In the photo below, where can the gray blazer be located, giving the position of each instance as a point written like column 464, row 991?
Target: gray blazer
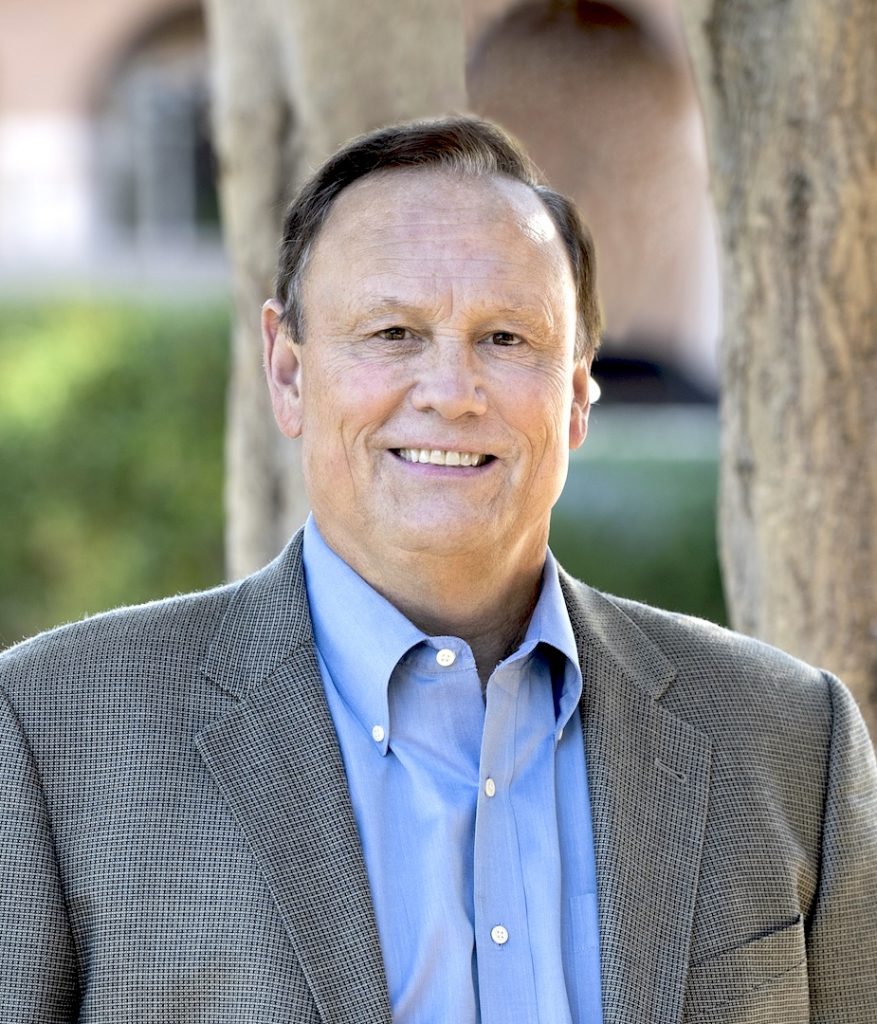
column 177, row 842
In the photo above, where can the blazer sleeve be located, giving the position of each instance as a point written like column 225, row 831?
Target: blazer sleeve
column 842, row 939
column 37, row 958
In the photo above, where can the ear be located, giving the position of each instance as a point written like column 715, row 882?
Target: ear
column 581, row 404
column 282, row 358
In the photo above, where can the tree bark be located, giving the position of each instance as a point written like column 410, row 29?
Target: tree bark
column 293, row 80
column 788, row 93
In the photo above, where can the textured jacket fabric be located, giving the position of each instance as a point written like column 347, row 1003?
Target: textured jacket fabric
column 177, row 842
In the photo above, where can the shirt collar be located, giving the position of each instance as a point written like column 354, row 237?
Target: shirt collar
column 550, row 625
column 361, row 637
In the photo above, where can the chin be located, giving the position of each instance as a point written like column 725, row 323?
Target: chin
column 441, row 536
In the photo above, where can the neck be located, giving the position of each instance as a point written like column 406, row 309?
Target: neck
column 485, row 599
column 491, row 619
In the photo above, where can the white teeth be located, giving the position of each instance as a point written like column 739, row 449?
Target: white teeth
column 439, row 457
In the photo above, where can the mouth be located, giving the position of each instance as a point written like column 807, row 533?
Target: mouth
column 442, row 457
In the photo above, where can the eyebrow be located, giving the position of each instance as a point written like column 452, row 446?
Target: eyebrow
column 382, row 307
column 524, row 316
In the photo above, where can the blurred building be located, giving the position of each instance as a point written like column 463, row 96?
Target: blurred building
column 105, row 160
column 106, row 167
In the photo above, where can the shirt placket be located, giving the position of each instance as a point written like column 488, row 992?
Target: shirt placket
column 506, row 981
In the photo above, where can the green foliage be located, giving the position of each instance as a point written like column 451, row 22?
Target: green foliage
column 110, row 456
column 643, row 528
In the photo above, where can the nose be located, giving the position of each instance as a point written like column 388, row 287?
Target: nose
column 450, row 382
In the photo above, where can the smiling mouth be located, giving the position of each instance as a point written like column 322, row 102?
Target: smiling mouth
column 441, row 457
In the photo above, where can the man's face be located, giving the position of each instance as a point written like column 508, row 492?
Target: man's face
column 435, row 388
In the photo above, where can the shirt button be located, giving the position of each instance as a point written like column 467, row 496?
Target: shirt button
column 378, row 733
column 445, row 657
column 490, row 787
column 499, row 935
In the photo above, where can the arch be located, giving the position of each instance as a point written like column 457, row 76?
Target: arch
column 153, row 156
column 601, row 96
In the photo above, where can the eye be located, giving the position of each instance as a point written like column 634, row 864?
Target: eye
column 503, row 338
column 394, row 334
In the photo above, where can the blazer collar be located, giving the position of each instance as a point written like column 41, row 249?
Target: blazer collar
column 268, row 617
column 604, row 631
column 266, row 620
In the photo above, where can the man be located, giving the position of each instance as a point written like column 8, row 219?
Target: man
column 411, row 770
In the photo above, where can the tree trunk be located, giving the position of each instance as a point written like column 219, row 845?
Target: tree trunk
column 293, row 80
column 788, row 92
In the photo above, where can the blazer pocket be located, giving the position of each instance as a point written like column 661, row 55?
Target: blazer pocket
column 766, row 975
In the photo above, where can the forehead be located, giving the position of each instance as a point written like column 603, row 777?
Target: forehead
column 436, row 214
column 455, row 193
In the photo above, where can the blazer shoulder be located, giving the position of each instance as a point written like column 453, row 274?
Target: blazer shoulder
column 719, row 675
column 171, row 630
column 696, row 645
column 230, row 636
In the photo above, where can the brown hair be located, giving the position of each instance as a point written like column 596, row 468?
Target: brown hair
column 466, row 145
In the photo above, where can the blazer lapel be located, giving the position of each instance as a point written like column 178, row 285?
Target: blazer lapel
column 276, row 760
column 648, row 775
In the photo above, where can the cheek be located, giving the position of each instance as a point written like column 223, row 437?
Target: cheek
column 342, row 405
column 540, row 411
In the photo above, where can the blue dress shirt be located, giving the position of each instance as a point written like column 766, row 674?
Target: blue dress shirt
column 472, row 808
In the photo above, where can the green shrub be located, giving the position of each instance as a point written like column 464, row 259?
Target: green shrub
column 110, row 456
column 643, row 529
